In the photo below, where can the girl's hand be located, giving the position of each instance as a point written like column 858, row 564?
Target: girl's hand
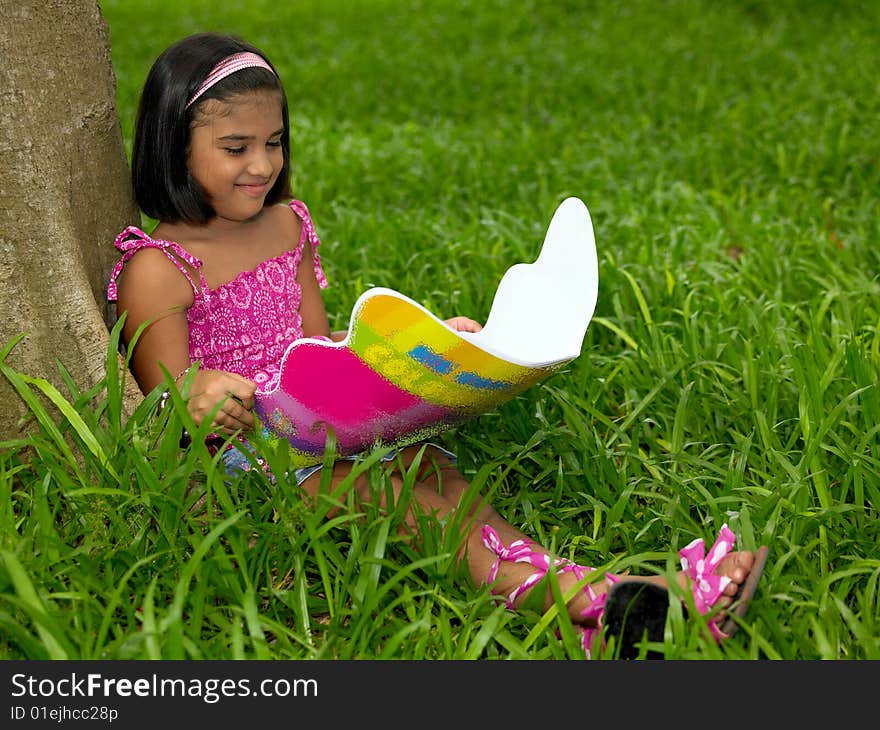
column 464, row 324
column 210, row 387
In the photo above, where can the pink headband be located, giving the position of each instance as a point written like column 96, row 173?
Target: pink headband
column 229, row 65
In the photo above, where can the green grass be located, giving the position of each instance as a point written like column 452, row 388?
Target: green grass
column 728, row 155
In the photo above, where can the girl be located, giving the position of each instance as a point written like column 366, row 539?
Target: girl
column 231, row 276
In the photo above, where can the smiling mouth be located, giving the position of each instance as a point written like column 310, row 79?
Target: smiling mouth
column 253, row 188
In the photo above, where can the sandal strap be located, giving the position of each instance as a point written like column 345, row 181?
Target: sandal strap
column 519, row 551
column 595, row 611
column 523, row 551
column 707, row 587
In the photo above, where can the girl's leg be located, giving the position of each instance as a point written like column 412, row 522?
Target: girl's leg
column 443, row 477
column 442, row 490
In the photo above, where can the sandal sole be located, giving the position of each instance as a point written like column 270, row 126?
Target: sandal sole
column 745, row 594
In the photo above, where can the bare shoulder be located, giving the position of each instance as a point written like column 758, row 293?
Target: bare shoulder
column 150, row 273
column 286, row 225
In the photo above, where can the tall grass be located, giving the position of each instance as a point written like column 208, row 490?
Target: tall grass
column 728, row 155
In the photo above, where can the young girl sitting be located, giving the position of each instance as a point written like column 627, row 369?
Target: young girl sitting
column 231, row 276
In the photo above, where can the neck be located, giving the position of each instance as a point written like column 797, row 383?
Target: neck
column 216, row 227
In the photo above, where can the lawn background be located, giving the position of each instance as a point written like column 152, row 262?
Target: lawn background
column 728, row 154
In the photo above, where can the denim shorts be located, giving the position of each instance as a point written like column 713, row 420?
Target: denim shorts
column 236, row 461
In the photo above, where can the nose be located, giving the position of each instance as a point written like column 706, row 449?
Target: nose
column 261, row 163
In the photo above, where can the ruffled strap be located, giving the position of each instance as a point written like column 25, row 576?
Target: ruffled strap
column 700, row 568
column 522, row 551
column 133, row 239
column 308, row 232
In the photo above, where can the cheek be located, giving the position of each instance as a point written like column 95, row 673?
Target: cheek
column 278, row 157
column 207, row 169
column 277, row 160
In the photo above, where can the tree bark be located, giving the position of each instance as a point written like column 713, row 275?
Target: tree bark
column 65, row 193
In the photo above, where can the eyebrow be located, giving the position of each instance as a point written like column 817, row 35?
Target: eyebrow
column 245, row 137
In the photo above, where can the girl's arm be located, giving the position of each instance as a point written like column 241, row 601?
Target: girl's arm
column 152, row 290
column 311, row 309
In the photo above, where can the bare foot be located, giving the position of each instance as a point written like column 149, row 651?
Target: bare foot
column 735, row 565
column 515, row 576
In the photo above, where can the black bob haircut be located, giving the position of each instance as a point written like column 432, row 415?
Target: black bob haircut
column 163, row 186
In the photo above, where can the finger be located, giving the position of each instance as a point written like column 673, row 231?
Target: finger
column 229, row 418
column 244, row 397
column 242, row 386
column 236, row 405
column 235, row 416
column 245, row 406
column 227, row 426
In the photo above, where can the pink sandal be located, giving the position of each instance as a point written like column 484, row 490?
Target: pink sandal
column 700, row 568
column 643, row 602
column 521, row 551
column 636, row 610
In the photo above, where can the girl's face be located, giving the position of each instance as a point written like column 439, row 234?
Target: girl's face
column 235, row 152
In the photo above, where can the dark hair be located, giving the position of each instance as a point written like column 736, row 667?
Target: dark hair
column 163, row 186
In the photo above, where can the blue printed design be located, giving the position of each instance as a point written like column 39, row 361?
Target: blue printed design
column 430, row 359
column 475, row 381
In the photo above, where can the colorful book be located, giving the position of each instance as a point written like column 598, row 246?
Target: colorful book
column 401, row 375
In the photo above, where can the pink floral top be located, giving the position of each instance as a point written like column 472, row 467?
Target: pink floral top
column 245, row 325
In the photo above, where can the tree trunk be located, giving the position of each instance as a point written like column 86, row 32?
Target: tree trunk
column 65, row 192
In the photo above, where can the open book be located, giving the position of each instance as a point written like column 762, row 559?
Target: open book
column 402, row 375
